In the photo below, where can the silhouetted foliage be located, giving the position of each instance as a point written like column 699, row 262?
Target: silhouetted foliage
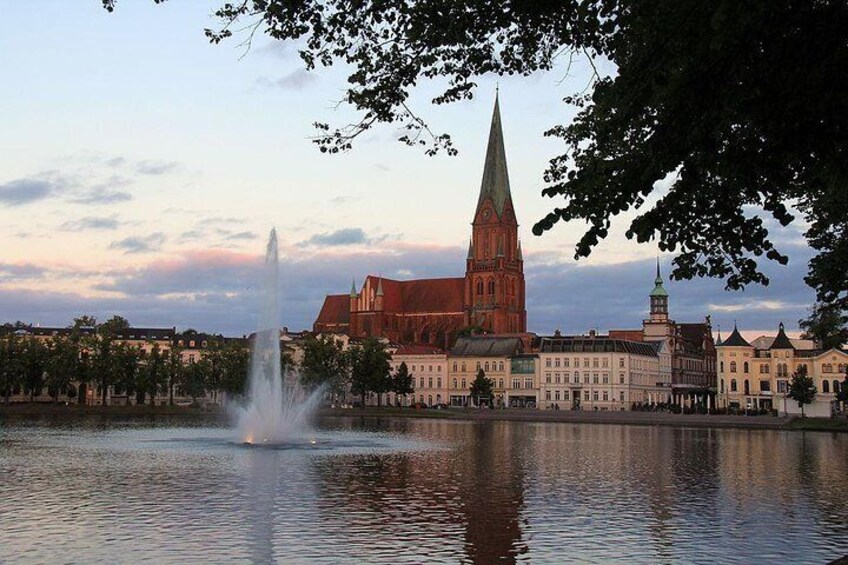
column 827, row 325
column 739, row 107
column 481, row 388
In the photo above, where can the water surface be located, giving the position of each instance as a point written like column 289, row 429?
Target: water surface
column 413, row 491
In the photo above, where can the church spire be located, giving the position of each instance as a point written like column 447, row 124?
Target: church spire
column 353, row 293
column 495, row 184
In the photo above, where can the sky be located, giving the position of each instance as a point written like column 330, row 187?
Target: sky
column 142, row 169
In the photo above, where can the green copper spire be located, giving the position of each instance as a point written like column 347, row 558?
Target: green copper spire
column 495, row 184
column 353, row 293
column 658, row 283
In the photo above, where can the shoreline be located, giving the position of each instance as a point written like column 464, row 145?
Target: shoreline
column 631, row 418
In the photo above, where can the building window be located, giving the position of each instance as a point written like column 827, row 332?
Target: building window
column 745, row 366
column 463, row 366
column 733, row 366
column 621, row 396
column 547, row 395
column 548, row 378
column 586, row 395
column 781, row 387
column 454, row 367
column 454, row 384
column 548, row 362
column 605, row 363
column 764, row 368
column 605, row 378
column 565, row 395
column 463, row 383
column 732, row 385
column 595, row 362
column 825, row 386
column 491, row 287
column 500, row 366
column 528, row 382
column 487, row 367
column 621, row 378
column 430, row 382
column 721, row 384
column 595, row 395
column 747, row 387
column 500, row 383
column 516, row 383
column 765, row 386
column 556, row 395
column 480, row 287
column 565, row 362
column 595, row 378
column 621, row 362
column 721, row 366
column 439, row 382
column 606, row 396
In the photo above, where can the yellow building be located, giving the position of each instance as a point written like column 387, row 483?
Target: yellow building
column 429, row 369
column 755, row 376
column 596, row 372
column 492, row 354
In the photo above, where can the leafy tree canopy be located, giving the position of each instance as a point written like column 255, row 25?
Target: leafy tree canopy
column 827, row 325
column 739, row 106
column 481, row 388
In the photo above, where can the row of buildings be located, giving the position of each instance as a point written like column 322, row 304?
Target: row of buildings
column 447, row 329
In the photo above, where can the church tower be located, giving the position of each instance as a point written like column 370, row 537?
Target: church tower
column 494, row 275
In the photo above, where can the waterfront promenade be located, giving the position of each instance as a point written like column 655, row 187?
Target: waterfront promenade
column 518, row 415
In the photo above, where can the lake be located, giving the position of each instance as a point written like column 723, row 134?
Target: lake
column 384, row 490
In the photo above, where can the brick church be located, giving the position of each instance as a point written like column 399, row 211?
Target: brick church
column 433, row 311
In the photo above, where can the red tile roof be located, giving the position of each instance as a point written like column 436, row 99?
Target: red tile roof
column 336, row 310
column 629, row 335
column 423, row 295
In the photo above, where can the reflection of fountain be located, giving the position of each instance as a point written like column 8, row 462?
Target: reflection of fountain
column 277, row 408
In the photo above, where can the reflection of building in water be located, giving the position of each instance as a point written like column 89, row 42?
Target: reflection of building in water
column 756, row 375
column 493, row 482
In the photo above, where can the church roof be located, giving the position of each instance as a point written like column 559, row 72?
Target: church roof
column 782, row 340
column 336, row 310
column 495, row 184
column 735, row 339
column 423, row 295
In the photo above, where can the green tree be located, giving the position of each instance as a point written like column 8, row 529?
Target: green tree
column 402, row 381
column 63, row 366
column 195, row 378
column 324, row 363
column 174, row 370
column 481, row 388
column 370, row 370
column 101, row 368
column 84, row 321
column 234, row 361
column 827, row 325
column 114, row 326
column 11, row 365
column 34, row 365
column 125, row 364
column 695, row 127
column 155, row 374
column 801, row 388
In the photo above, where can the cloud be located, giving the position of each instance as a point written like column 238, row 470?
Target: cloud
column 150, row 167
column 25, row 191
column 344, row 236
column 140, row 244
column 116, row 162
column 239, row 236
column 216, row 290
column 92, row 223
column 10, row 272
column 343, row 199
column 220, row 220
column 295, row 80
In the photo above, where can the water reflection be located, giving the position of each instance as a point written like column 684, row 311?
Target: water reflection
column 412, row 491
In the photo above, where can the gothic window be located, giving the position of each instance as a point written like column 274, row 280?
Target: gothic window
column 491, row 286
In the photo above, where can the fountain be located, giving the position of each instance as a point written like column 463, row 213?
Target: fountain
column 277, row 408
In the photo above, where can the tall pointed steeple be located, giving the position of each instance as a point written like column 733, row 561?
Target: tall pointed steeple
column 495, row 184
column 470, row 249
column 353, row 293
